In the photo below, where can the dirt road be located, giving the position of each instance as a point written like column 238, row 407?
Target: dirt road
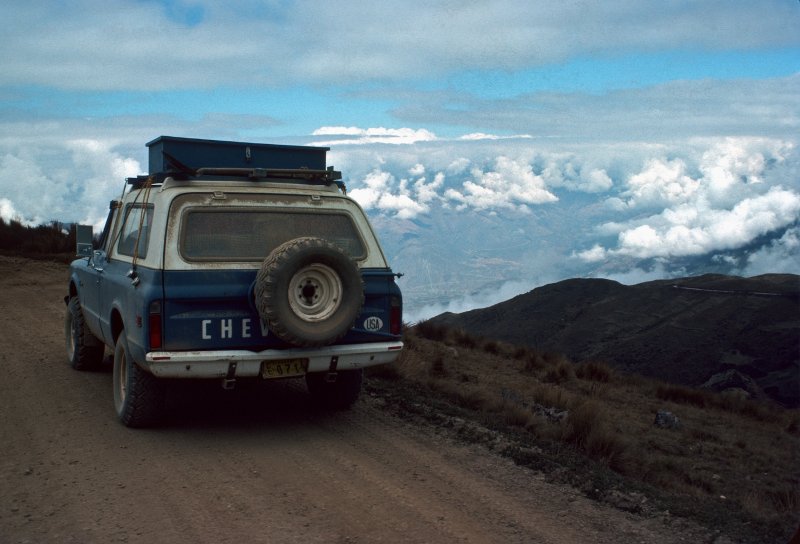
column 257, row 464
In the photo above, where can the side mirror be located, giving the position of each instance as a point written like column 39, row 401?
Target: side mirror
column 83, row 237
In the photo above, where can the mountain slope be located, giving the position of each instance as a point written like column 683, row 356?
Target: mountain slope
column 684, row 331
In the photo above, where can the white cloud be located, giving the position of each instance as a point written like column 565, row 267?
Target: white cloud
column 7, row 211
column 569, row 171
column 596, row 180
column 596, row 254
column 379, row 135
column 427, row 192
column 780, row 256
column 510, row 184
column 402, row 205
column 458, row 166
column 384, row 193
column 728, row 169
column 662, row 182
column 719, row 198
column 482, row 136
column 69, row 181
column 727, row 172
column 732, row 164
column 377, row 183
column 479, row 136
column 689, row 231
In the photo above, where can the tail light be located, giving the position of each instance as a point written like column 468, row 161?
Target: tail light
column 154, row 322
column 395, row 316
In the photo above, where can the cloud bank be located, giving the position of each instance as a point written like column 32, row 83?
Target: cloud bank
column 734, row 198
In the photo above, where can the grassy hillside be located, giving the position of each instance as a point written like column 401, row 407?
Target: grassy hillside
column 684, row 331
column 730, row 463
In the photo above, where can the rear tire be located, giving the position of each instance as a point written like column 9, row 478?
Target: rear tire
column 84, row 350
column 338, row 395
column 138, row 395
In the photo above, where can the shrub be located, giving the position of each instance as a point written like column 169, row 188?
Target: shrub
column 463, row 339
column 438, row 368
column 561, row 373
column 467, row 396
column 520, row 353
column 586, row 429
column 492, row 347
column 580, row 422
column 785, row 498
column 516, row 415
column 746, row 407
column 533, row 362
column 595, row 372
column 552, row 396
column 431, row 331
column 794, row 426
column 683, row 395
column 729, row 403
column 409, row 339
column 552, row 358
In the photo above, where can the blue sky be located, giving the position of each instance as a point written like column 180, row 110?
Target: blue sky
column 665, row 130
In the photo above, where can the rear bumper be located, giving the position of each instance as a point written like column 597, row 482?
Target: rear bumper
column 217, row 364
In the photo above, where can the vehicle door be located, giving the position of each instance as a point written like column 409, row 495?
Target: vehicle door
column 127, row 249
column 91, row 276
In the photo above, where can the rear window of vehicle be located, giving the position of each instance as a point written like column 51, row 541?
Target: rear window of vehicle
column 232, row 234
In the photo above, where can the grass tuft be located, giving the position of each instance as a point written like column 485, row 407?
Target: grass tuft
column 431, row 331
column 465, row 340
column 594, row 371
column 438, row 366
column 534, row 362
column 559, row 374
column 492, row 347
column 586, row 427
column 729, row 403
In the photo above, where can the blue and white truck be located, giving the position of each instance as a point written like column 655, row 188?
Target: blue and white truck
column 232, row 260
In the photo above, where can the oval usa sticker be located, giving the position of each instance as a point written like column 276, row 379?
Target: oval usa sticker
column 373, row 324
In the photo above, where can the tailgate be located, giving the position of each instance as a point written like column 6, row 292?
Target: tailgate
column 213, row 309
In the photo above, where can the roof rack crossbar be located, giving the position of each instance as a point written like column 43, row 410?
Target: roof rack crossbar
column 326, row 176
column 297, row 175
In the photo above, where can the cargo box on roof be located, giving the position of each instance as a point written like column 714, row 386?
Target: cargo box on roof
column 196, row 153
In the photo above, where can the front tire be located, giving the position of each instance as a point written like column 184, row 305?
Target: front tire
column 84, row 350
column 339, row 394
column 138, row 395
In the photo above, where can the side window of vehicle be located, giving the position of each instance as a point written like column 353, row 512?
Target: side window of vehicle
column 135, row 235
column 102, row 241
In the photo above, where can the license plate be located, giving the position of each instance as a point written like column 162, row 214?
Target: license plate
column 284, row 368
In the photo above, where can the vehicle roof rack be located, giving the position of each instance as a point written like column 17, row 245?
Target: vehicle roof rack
column 307, row 176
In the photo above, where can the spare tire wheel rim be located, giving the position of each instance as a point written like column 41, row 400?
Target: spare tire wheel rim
column 315, row 292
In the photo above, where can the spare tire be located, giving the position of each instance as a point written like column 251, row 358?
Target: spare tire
column 309, row 292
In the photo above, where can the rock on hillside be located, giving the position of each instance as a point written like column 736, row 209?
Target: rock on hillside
column 684, row 330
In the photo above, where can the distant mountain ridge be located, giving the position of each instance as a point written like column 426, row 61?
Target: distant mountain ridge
column 688, row 331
